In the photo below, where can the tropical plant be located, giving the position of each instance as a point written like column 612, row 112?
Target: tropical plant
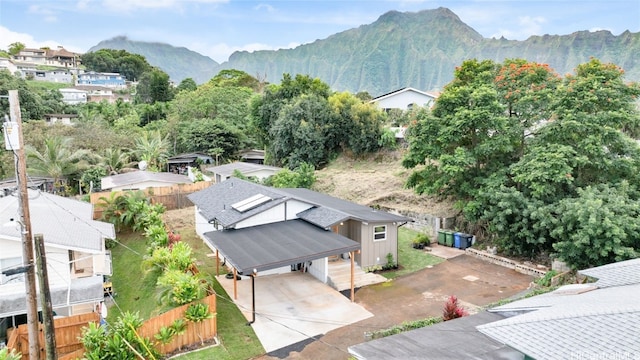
column 165, row 334
column 112, row 208
column 197, row 313
column 57, row 160
column 179, row 327
column 452, row 309
column 5, row 354
column 153, row 148
column 177, row 287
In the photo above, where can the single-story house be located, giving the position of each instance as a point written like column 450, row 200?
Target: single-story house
column 179, row 163
column 138, row 180
column 268, row 230
column 258, row 171
column 404, row 99
column 76, row 256
column 596, row 320
column 59, row 118
column 73, row 96
column 252, row 156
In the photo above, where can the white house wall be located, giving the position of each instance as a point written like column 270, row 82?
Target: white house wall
column 202, row 225
column 403, row 100
column 319, row 269
column 285, row 211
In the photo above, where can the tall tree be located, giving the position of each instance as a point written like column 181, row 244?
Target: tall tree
column 57, row 160
column 154, row 86
column 153, row 148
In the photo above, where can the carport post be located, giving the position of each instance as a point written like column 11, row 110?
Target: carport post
column 235, row 284
column 351, row 255
column 217, row 263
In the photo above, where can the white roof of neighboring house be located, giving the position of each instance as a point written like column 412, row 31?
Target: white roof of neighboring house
column 71, row 90
column 64, row 222
column 137, row 177
column 577, row 321
column 245, row 168
column 400, row 91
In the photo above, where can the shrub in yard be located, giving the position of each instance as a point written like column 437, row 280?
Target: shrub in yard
column 420, row 241
column 5, row 354
column 197, row 313
column 179, row 288
column 452, row 310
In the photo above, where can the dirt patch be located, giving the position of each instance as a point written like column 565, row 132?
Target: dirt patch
column 378, row 181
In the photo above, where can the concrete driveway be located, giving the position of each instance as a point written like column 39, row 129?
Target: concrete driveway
column 415, row 296
column 293, row 308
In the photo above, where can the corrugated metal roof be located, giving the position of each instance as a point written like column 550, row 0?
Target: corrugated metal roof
column 276, row 245
column 64, row 222
column 245, row 168
column 136, row 177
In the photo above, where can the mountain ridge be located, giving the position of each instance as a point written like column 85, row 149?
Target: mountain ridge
column 417, row 49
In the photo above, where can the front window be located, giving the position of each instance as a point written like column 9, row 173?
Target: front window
column 380, row 233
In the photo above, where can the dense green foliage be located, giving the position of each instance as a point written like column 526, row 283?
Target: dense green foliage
column 541, row 163
column 129, row 65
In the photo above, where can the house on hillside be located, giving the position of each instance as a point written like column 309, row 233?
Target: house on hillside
column 579, row 321
column 258, row 171
column 404, row 99
column 179, row 163
column 139, row 180
column 255, row 227
column 75, row 250
column 252, row 156
column 73, row 96
column 65, row 119
column 110, row 80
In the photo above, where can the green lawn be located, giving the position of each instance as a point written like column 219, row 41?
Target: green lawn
column 136, row 292
column 410, row 259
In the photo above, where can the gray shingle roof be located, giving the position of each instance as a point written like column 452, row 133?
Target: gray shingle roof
column 64, row 222
column 616, row 274
column 278, row 244
column 454, row 339
column 577, row 321
column 348, row 208
column 215, row 201
column 136, row 177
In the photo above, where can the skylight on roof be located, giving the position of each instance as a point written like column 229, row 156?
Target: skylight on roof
column 251, row 202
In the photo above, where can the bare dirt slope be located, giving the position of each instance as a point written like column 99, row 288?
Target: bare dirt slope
column 377, row 181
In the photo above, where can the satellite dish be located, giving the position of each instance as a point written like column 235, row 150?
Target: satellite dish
column 142, row 165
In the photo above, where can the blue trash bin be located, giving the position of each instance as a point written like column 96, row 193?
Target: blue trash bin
column 457, row 237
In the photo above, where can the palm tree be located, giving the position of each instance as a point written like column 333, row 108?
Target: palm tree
column 152, row 148
column 58, row 160
column 114, row 160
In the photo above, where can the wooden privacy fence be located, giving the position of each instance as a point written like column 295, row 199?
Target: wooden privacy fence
column 204, row 330
column 68, row 331
column 172, row 197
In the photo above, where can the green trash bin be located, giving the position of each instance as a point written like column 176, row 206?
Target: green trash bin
column 448, row 238
column 441, row 236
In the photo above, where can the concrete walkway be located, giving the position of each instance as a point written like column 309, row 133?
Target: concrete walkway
column 292, row 307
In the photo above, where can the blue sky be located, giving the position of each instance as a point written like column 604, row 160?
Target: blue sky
column 216, row 28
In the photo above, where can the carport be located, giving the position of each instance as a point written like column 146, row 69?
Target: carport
column 264, row 247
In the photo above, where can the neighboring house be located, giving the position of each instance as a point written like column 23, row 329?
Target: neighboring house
column 404, row 99
column 62, row 58
column 258, row 171
column 110, row 80
column 255, row 227
column 252, row 156
column 59, row 118
column 73, row 96
column 599, row 320
column 33, row 56
column 57, row 76
column 9, row 65
column 139, row 180
column 75, row 250
column 180, row 163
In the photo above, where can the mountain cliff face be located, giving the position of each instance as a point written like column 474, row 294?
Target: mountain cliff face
column 419, row 49
column 179, row 62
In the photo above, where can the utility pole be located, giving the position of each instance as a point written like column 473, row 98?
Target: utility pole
column 45, row 299
column 25, row 217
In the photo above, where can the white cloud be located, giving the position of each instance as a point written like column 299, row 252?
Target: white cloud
column 44, row 13
column 131, row 5
column 266, row 7
column 9, row 37
column 220, row 52
column 526, row 26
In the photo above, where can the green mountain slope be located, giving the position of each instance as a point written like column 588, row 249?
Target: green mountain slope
column 399, row 49
column 179, row 62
